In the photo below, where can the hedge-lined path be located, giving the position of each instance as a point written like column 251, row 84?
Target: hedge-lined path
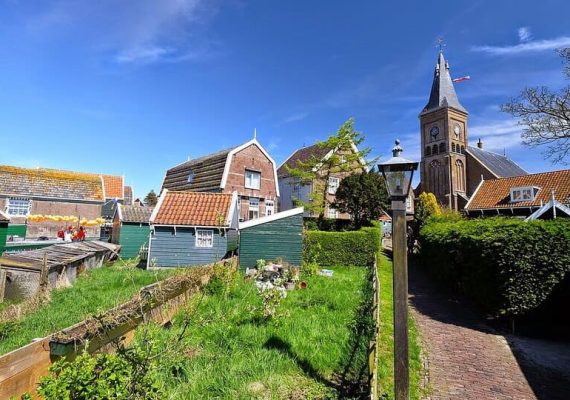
column 466, row 359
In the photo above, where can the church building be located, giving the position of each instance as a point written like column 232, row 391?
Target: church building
column 450, row 168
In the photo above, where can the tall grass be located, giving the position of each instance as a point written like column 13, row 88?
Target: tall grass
column 228, row 351
column 94, row 291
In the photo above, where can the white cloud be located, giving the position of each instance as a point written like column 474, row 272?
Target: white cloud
column 295, row 117
column 524, row 34
column 497, row 135
column 133, row 31
column 526, row 47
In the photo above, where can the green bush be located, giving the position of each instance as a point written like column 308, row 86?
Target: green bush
column 342, row 248
column 507, row 265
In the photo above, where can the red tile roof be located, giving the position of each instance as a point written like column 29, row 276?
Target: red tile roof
column 193, row 209
column 113, row 186
column 495, row 193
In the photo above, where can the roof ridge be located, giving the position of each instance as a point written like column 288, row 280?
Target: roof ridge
column 488, row 151
column 530, row 174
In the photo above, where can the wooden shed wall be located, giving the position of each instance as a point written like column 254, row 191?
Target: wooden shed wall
column 3, row 234
column 19, row 230
column 170, row 250
column 280, row 238
column 132, row 237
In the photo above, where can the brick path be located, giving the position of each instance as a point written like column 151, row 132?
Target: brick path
column 465, row 358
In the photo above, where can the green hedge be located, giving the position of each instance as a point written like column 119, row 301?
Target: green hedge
column 342, row 248
column 507, row 265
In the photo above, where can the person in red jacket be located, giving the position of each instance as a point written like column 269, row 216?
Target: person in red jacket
column 80, row 234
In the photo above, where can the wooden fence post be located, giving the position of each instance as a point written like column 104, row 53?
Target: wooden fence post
column 44, row 274
column 2, row 284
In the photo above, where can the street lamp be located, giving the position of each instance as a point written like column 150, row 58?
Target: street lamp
column 398, row 173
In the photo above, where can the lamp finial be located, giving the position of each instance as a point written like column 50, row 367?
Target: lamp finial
column 397, row 150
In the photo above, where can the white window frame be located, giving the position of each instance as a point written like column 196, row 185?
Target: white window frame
column 252, row 179
column 523, row 193
column 332, row 213
column 269, row 207
column 253, row 208
column 204, row 238
column 334, row 183
column 22, row 209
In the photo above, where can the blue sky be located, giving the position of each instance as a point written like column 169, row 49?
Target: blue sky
column 133, row 87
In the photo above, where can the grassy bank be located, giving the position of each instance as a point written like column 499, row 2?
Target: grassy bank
column 307, row 351
column 386, row 342
column 94, row 291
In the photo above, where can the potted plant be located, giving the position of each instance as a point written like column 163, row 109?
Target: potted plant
column 290, row 278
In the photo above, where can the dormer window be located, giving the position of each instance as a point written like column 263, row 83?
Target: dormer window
column 190, row 177
column 524, row 193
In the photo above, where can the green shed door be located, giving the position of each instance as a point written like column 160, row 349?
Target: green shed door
column 132, row 237
column 279, row 238
column 3, row 234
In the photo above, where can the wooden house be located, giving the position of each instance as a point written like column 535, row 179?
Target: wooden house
column 275, row 236
column 247, row 170
column 292, row 189
column 189, row 228
column 520, row 196
column 131, row 229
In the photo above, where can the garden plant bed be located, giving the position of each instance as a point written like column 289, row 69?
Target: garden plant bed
column 308, row 350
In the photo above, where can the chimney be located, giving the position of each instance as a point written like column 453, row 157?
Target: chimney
column 480, row 144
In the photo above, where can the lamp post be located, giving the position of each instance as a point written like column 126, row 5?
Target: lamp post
column 398, row 173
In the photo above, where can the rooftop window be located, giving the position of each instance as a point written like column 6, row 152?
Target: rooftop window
column 524, row 193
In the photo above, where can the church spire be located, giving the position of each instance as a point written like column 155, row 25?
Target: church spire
column 442, row 90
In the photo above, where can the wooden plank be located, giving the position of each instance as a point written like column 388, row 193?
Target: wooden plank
column 2, row 284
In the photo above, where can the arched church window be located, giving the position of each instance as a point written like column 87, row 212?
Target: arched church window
column 434, row 149
column 460, row 174
column 442, row 147
column 428, row 151
column 435, row 179
column 453, row 147
column 462, row 149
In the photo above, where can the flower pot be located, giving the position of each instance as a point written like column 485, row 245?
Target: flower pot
column 290, row 285
column 302, row 285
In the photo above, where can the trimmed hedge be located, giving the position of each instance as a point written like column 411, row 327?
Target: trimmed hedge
column 342, row 248
column 507, row 265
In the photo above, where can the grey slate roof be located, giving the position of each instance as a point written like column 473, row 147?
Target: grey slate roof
column 498, row 164
column 136, row 214
column 206, row 173
column 303, row 154
column 442, row 91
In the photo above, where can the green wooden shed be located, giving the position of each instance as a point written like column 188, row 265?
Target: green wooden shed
column 4, row 220
column 276, row 236
column 131, row 228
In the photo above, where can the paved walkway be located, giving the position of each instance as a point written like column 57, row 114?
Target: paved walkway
column 467, row 359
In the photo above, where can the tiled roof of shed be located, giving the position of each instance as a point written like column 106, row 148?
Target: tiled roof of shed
column 495, row 193
column 304, row 154
column 113, row 186
column 50, row 183
column 138, row 214
column 500, row 165
column 206, row 173
column 193, row 209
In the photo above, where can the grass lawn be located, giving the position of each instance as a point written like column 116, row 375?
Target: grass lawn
column 94, row 291
column 308, row 351
column 386, row 342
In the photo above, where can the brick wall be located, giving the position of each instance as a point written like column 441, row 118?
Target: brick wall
column 49, row 229
column 252, row 158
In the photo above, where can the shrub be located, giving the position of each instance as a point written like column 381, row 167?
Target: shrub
column 507, row 265
column 426, row 207
column 342, row 248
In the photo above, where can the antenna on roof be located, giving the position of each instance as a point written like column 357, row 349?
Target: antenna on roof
column 188, row 157
column 504, row 151
column 255, row 133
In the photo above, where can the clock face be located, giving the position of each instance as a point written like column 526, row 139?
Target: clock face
column 434, row 132
column 457, row 130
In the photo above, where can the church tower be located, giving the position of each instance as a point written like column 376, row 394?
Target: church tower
column 443, row 127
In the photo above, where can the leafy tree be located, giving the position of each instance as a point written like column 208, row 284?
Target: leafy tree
column 546, row 116
column 363, row 196
column 151, row 199
column 316, row 171
column 426, row 206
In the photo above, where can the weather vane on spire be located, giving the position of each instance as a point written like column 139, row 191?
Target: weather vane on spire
column 440, row 43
